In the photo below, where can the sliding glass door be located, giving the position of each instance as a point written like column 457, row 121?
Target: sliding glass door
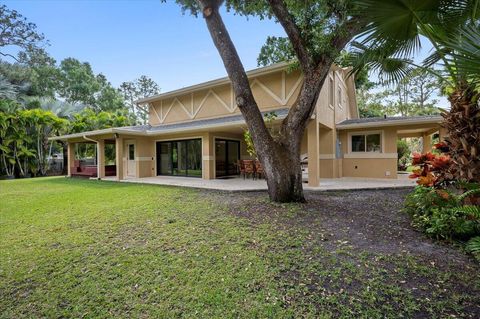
column 180, row 158
column 227, row 153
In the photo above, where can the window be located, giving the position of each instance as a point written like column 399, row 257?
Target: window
column 331, row 91
column 340, row 97
column 366, row 143
column 131, row 152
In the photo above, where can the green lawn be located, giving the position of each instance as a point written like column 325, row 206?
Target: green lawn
column 80, row 248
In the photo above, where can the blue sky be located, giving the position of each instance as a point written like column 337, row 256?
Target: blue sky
column 126, row 39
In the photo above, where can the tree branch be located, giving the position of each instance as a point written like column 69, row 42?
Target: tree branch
column 9, row 55
column 298, row 116
column 293, row 32
column 236, row 72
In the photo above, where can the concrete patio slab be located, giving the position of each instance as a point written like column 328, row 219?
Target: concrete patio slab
column 240, row 184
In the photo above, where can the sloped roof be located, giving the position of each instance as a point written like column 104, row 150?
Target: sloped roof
column 389, row 121
column 144, row 130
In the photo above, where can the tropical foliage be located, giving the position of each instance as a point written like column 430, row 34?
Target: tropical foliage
column 24, row 140
column 138, row 89
column 403, row 154
column 445, row 215
column 40, row 97
column 443, row 204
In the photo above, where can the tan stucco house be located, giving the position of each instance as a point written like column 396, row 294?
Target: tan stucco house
column 197, row 131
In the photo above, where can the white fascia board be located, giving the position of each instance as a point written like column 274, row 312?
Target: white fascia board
column 438, row 120
column 98, row 132
column 203, row 127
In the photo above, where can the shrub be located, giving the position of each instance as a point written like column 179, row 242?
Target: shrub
column 435, row 169
column 443, row 214
column 473, row 246
column 425, row 202
column 403, row 152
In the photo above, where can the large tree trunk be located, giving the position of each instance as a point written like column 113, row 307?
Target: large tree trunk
column 463, row 133
column 280, row 156
column 283, row 171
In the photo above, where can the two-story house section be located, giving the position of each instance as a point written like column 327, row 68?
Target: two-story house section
column 197, row 132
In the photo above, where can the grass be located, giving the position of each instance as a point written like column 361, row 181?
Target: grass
column 80, row 248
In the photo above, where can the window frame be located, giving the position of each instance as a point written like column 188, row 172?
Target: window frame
column 365, row 134
column 340, row 97
column 131, row 151
column 331, row 91
column 171, row 155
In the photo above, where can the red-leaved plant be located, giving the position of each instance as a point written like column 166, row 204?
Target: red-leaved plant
column 436, row 170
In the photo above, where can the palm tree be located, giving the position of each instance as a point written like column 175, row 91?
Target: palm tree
column 7, row 89
column 394, row 35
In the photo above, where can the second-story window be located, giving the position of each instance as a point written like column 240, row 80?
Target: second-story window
column 340, row 97
column 331, row 91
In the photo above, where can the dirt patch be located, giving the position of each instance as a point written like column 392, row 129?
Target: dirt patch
column 367, row 220
column 364, row 238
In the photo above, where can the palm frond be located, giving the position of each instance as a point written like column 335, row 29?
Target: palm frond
column 469, row 210
column 468, row 194
column 390, row 69
column 473, row 246
column 465, row 54
column 396, row 23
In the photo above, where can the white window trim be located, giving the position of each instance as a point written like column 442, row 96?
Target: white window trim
column 339, row 102
column 358, row 154
column 332, row 79
column 343, row 89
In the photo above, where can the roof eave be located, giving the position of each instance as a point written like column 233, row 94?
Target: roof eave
column 390, row 123
column 98, row 132
column 204, row 127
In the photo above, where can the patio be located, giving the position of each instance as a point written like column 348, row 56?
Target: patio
column 240, row 184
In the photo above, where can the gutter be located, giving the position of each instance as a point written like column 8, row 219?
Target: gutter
column 98, row 132
column 436, row 120
column 89, row 139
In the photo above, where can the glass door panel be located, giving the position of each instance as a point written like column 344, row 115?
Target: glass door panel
column 180, row 158
column 194, row 158
column 164, row 158
column 220, row 158
column 233, row 155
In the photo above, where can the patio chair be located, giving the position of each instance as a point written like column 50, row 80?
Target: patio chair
column 259, row 169
column 249, row 166
column 241, row 168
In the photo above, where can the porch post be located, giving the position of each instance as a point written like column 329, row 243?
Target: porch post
column 119, row 157
column 70, row 157
column 101, row 159
column 442, row 133
column 313, row 154
column 426, row 143
column 208, row 157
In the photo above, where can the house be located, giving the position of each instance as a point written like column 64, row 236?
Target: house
column 197, row 131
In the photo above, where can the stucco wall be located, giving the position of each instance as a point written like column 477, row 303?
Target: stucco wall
column 272, row 91
column 145, row 152
column 374, row 165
